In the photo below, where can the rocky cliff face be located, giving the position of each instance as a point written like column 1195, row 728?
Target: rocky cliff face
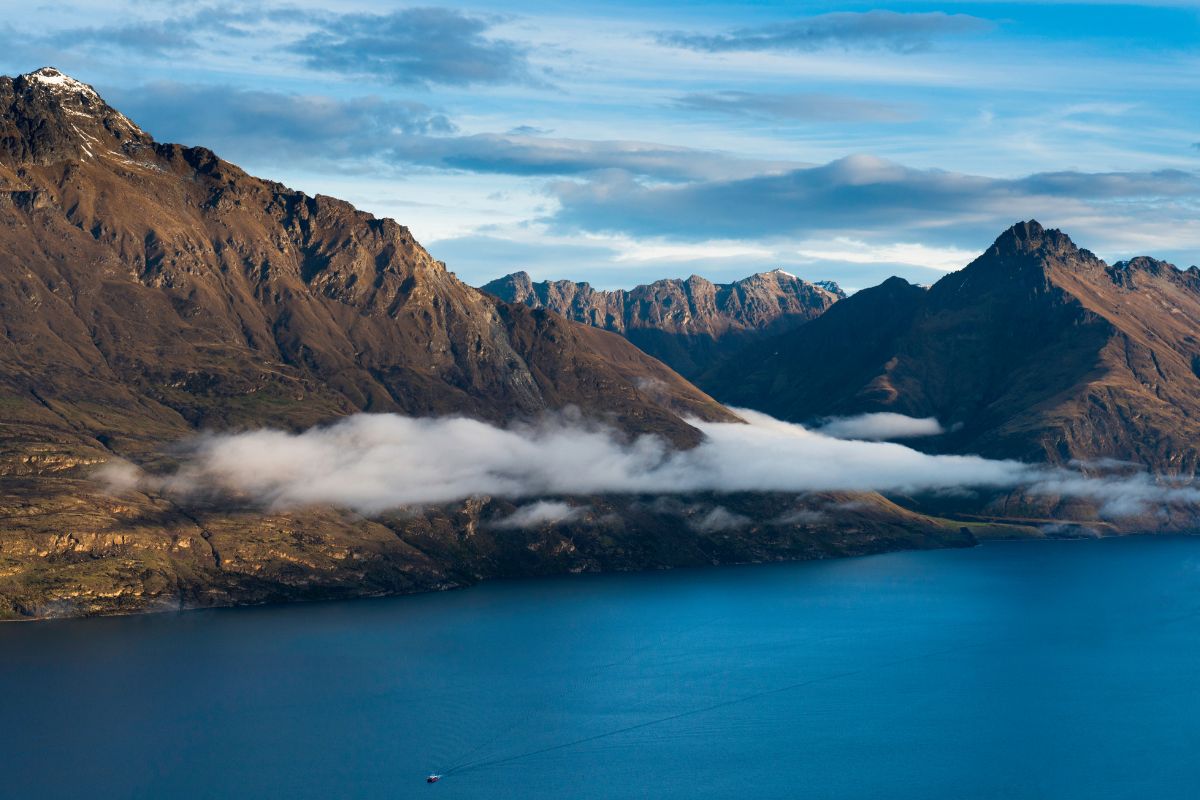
column 1037, row 350
column 174, row 289
column 687, row 324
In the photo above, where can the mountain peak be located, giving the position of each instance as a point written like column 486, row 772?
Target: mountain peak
column 58, row 82
column 833, row 287
column 787, row 279
column 520, row 278
column 514, row 287
column 1023, row 237
column 1028, row 248
column 1030, row 237
column 46, row 116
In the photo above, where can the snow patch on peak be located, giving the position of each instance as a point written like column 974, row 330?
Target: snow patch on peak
column 77, row 99
column 778, row 271
column 60, row 82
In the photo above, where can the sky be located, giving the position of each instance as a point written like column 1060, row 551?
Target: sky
column 620, row 143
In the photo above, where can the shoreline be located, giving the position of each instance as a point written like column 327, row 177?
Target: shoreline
column 169, row 608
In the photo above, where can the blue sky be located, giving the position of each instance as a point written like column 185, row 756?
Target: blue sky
column 623, row 142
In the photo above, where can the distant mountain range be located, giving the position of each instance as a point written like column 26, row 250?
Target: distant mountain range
column 688, row 324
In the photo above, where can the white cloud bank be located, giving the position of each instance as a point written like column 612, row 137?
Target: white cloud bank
column 375, row 462
column 881, row 426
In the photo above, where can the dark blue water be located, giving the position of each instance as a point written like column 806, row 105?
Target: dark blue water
column 1037, row 669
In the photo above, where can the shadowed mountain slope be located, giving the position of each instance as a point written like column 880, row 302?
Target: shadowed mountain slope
column 1037, row 350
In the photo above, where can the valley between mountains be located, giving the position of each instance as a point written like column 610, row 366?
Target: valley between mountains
column 152, row 293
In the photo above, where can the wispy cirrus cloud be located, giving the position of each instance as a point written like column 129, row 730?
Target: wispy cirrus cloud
column 242, row 122
column 416, row 46
column 802, row 107
column 522, row 154
column 198, row 27
column 160, row 38
column 891, row 30
column 864, row 194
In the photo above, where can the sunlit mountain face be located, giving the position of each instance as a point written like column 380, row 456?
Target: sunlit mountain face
column 623, row 143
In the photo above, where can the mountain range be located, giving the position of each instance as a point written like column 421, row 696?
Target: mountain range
column 1037, row 350
column 153, row 294
column 151, row 291
column 686, row 324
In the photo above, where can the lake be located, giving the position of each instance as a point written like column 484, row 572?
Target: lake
column 1056, row 669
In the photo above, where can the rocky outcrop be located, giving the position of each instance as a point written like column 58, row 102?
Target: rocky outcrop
column 688, row 324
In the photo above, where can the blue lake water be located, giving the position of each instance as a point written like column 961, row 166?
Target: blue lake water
column 1024, row 669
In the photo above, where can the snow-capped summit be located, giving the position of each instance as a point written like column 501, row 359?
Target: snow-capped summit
column 59, row 82
column 46, row 116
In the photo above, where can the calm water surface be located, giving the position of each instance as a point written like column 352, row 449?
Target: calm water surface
column 1034, row 669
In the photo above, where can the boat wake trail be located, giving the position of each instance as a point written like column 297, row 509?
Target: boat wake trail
column 747, row 698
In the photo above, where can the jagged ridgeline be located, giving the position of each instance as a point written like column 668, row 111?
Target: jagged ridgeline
column 1037, row 350
column 169, row 289
column 149, row 291
column 688, row 324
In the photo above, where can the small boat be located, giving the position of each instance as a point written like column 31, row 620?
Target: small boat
column 433, row 779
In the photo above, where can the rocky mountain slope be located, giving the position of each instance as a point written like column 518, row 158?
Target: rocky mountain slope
column 170, row 289
column 149, row 291
column 688, row 324
column 1037, row 350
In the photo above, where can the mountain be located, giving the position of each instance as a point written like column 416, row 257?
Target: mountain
column 688, row 324
column 150, row 291
column 1037, row 350
column 254, row 303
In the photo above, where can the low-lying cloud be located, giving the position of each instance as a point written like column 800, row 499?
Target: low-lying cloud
column 881, row 427
column 720, row 519
column 543, row 512
column 376, row 462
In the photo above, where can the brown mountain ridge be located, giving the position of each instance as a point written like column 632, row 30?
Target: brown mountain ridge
column 688, row 324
